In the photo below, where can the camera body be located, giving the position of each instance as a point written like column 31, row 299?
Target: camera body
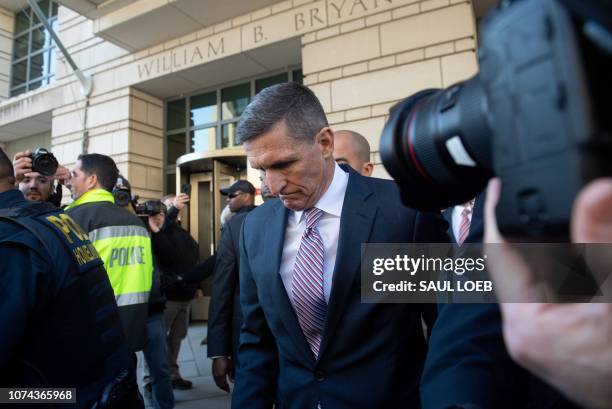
column 44, row 162
column 149, row 208
column 534, row 116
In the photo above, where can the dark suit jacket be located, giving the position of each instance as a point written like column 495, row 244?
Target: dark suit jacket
column 371, row 355
column 224, row 314
column 467, row 360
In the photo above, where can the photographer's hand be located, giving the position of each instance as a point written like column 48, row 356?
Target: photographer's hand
column 22, row 164
column 181, row 201
column 568, row 345
column 62, row 175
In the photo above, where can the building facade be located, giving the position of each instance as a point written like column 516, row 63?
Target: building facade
column 171, row 78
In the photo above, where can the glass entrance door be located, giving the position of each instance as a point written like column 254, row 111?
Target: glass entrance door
column 201, row 228
column 201, row 211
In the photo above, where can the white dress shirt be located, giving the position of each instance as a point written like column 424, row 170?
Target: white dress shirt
column 457, row 216
column 329, row 228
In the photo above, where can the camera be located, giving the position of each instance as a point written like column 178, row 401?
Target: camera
column 149, row 208
column 186, row 189
column 44, row 162
column 122, row 192
column 536, row 116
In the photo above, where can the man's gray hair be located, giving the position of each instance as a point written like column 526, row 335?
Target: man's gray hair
column 290, row 102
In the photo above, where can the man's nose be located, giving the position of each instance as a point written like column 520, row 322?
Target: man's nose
column 275, row 182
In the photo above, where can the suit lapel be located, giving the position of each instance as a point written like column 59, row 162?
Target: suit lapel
column 477, row 226
column 448, row 216
column 356, row 220
column 274, row 238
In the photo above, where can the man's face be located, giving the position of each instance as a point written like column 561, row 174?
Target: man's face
column 158, row 219
column 80, row 182
column 297, row 172
column 36, row 187
column 344, row 152
column 237, row 200
column 263, row 188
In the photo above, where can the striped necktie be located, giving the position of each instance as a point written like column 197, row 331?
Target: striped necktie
column 307, row 286
column 464, row 227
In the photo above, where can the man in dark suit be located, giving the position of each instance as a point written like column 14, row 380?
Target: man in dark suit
column 457, row 216
column 307, row 340
column 467, row 358
column 224, row 315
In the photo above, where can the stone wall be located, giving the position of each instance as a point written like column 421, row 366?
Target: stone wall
column 379, row 52
column 127, row 125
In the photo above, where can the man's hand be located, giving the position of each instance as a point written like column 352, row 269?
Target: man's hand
column 181, row 201
column 62, row 175
column 199, row 295
column 22, row 164
column 222, row 370
column 568, row 345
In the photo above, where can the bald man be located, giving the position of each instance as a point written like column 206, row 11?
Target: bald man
column 353, row 149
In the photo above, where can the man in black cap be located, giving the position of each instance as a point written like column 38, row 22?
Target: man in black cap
column 225, row 316
column 240, row 195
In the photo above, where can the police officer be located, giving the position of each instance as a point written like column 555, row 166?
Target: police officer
column 119, row 237
column 60, row 324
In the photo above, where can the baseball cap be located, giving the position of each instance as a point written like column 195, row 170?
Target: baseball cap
column 242, row 185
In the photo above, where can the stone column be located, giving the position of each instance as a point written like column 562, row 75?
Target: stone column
column 125, row 124
column 7, row 26
column 373, row 54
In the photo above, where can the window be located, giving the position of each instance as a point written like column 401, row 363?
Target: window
column 34, row 52
column 207, row 121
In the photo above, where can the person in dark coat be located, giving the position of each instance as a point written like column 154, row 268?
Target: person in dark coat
column 224, row 315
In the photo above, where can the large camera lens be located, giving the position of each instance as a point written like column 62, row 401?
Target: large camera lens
column 436, row 145
column 122, row 197
column 44, row 162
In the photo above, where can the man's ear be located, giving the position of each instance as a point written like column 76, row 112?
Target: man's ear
column 325, row 139
column 367, row 169
column 92, row 181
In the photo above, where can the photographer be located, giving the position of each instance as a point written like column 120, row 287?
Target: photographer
column 537, row 117
column 567, row 345
column 37, row 184
column 156, row 372
column 176, row 252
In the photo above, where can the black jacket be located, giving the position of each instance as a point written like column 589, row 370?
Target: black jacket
column 176, row 253
column 60, row 322
column 224, row 314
